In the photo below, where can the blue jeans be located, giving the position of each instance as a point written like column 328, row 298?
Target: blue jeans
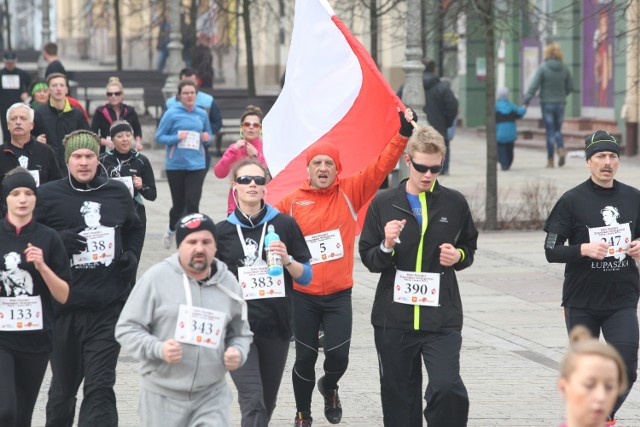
column 553, row 116
column 505, row 155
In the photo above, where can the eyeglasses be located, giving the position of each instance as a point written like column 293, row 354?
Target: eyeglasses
column 246, row 180
column 248, row 125
column 113, row 94
column 424, row 168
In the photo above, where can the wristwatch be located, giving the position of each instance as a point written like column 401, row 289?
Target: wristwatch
column 290, row 262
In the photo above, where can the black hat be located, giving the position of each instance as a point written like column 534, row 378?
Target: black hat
column 192, row 223
column 18, row 177
column 600, row 141
column 9, row 55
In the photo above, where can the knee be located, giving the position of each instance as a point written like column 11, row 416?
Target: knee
column 338, row 357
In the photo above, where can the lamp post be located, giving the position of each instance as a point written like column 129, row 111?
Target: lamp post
column 174, row 62
column 46, row 37
column 413, row 91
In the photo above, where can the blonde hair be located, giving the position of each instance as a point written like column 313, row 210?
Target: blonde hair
column 553, row 50
column 583, row 344
column 114, row 81
column 425, row 139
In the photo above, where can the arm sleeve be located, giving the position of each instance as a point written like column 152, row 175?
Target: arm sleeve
column 223, row 166
column 95, row 122
column 148, row 189
column 467, row 243
column 215, row 117
column 163, row 133
column 556, row 251
column 450, row 106
column 134, row 325
column 535, row 85
column 369, row 246
column 206, row 127
column 132, row 230
column 134, row 121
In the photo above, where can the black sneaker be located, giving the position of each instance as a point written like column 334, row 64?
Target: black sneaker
column 332, row 406
column 303, row 419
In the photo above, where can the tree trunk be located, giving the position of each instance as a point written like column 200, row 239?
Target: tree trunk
column 246, row 21
column 7, row 18
column 491, row 206
column 116, row 11
column 373, row 27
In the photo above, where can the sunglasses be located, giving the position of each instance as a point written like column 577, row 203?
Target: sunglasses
column 246, row 180
column 424, row 168
column 248, row 125
column 114, row 94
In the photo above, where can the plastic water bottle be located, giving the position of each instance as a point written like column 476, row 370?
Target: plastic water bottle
column 274, row 261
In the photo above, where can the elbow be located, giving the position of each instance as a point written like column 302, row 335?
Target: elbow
column 63, row 297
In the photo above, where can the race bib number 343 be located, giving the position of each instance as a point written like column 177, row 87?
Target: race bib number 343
column 199, row 326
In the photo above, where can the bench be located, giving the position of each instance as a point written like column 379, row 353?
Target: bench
column 233, row 103
column 140, row 85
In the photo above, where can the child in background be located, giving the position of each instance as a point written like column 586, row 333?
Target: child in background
column 506, row 131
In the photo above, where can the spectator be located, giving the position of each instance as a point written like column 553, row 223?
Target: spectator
column 163, row 41
column 204, row 60
column 115, row 109
column 553, row 79
column 14, row 87
column 506, row 131
column 50, row 54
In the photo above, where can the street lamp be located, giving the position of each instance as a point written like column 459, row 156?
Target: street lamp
column 46, row 37
column 174, row 61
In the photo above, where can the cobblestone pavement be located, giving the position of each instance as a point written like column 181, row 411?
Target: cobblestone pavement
column 514, row 334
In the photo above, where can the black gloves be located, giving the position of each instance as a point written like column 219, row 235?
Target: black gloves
column 406, row 128
column 73, row 243
column 128, row 263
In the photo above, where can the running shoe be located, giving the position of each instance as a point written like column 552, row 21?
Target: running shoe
column 332, row 406
column 167, row 239
column 303, row 419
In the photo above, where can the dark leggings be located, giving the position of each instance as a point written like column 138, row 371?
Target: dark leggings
column 20, row 378
column 186, row 191
column 619, row 329
column 334, row 312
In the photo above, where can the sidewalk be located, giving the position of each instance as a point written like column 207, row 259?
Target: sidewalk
column 514, row 335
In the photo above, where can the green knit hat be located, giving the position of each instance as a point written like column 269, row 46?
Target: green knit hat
column 80, row 139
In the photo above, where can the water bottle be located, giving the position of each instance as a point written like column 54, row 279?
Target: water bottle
column 274, row 262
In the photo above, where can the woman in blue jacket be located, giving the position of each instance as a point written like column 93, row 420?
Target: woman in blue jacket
column 506, row 131
column 186, row 131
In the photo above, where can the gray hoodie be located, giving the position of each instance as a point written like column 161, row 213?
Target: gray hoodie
column 149, row 318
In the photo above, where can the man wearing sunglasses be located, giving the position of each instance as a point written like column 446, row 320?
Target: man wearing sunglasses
column 325, row 207
column 417, row 235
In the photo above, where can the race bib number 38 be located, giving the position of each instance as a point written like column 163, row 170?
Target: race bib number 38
column 257, row 284
column 20, row 314
column 417, row 288
column 199, row 326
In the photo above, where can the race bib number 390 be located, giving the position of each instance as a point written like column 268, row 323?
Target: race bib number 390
column 416, row 288
column 20, row 314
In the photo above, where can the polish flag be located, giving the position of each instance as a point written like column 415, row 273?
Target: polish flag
column 333, row 92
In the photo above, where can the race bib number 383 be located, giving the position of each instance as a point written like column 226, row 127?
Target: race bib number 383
column 416, row 288
column 21, row 314
column 257, row 284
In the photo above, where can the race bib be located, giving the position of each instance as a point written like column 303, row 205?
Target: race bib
column 618, row 237
column 21, row 314
column 126, row 180
column 191, row 142
column 325, row 246
column 36, row 176
column 100, row 247
column 416, row 288
column 257, row 284
column 199, row 326
column 10, row 82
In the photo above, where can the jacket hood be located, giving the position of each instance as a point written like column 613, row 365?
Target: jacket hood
column 234, row 219
column 429, row 80
column 553, row 64
column 221, row 268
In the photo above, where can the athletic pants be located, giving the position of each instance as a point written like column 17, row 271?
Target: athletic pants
column 186, row 191
column 258, row 380
column 334, row 312
column 84, row 347
column 399, row 355
column 21, row 376
column 619, row 329
column 209, row 408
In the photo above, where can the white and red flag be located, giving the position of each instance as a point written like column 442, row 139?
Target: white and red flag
column 333, row 92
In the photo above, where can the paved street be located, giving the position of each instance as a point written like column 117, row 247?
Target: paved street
column 514, row 334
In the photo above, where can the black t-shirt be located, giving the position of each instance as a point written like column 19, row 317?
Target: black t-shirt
column 55, row 67
column 589, row 283
column 20, row 278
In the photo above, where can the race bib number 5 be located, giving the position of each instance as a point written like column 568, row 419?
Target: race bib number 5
column 325, row 246
column 416, row 288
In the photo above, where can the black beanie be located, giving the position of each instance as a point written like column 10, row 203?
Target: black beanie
column 192, row 223
column 20, row 178
column 120, row 126
column 600, row 141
